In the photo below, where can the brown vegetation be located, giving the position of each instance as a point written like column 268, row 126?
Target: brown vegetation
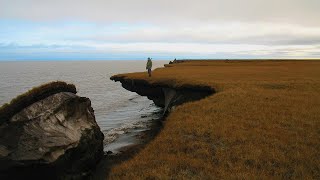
column 32, row 96
column 263, row 122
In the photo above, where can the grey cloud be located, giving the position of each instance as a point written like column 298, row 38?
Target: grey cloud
column 280, row 39
column 274, row 36
column 165, row 11
column 257, row 40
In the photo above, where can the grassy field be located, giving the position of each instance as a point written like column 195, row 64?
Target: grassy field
column 263, row 122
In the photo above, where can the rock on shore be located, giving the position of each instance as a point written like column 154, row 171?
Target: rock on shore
column 54, row 138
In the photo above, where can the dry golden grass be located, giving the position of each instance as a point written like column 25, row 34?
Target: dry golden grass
column 263, row 122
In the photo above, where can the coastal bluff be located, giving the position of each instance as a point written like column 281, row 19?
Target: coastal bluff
column 49, row 133
column 229, row 119
column 164, row 95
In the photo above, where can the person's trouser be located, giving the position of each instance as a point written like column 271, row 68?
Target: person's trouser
column 149, row 72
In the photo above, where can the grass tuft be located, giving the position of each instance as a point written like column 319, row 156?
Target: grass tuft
column 32, row 96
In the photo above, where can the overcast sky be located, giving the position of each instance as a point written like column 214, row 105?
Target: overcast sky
column 163, row 29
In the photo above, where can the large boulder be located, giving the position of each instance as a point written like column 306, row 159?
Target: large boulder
column 54, row 138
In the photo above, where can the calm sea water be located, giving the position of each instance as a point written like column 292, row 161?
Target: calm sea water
column 120, row 114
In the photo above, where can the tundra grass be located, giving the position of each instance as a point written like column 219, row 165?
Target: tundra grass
column 263, row 122
column 33, row 95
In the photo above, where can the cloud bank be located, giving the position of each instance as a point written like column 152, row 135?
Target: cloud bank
column 165, row 11
column 109, row 29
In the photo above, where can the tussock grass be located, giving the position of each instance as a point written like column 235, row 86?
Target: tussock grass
column 263, row 122
column 32, row 96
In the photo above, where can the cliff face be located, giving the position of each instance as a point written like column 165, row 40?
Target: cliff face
column 56, row 137
column 163, row 95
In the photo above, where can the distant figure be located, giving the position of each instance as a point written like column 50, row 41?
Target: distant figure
column 149, row 66
column 174, row 61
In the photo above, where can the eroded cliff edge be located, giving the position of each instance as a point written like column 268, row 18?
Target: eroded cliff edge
column 52, row 137
column 164, row 95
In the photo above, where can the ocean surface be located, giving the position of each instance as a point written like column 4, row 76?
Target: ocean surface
column 120, row 114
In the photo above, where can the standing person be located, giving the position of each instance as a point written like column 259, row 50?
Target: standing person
column 149, row 66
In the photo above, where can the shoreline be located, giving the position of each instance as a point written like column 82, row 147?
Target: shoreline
column 125, row 153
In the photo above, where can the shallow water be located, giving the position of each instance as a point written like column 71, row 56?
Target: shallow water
column 120, row 113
